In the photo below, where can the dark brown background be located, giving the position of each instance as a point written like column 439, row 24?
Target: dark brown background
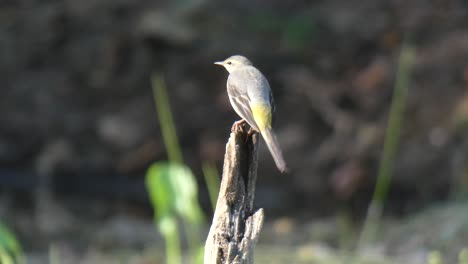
column 77, row 115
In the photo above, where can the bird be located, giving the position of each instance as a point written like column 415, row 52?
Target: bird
column 251, row 97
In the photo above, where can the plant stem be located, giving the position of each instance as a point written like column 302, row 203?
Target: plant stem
column 54, row 255
column 166, row 121
column 172, row 241
column 193, row 239
column 391, row 143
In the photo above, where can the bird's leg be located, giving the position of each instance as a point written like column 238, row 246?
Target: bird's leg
column 238, row 125
column 251, row 132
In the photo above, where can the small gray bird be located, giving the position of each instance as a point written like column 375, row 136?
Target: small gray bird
column 251, row 98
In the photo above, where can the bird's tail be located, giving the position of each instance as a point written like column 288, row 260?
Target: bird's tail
column 273, row 146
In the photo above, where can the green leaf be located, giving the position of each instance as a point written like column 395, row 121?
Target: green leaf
column 5, row 258
column 173, row 191
column 167, row 225
column 8, row 241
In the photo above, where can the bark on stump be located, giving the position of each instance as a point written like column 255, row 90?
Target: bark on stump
column 236, row 226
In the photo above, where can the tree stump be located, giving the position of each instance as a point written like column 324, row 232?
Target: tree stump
column 236, row 226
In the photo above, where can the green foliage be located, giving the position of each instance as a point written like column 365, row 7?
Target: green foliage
column 161, row 100
column 463, row 256
column 434, row 257
column 54, row 254
column 391, row 143
column 173, row 189
column 394, row 124
column 10, row 249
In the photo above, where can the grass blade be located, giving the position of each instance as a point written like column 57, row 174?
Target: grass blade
column 161, row 100
column 391, row 143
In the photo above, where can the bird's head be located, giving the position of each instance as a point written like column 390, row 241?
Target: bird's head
column 233, row 62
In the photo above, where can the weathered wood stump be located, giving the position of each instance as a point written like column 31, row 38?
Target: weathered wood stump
column 236, row 226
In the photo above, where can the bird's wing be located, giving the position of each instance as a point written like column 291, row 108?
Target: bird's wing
column 241, row 104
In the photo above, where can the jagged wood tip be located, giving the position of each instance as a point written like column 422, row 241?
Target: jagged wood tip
column 236, row 225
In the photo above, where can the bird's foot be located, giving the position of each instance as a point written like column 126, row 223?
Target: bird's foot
column 251, row 132
column 238, row 125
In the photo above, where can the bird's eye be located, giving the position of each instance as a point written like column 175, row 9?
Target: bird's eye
column 229, row 63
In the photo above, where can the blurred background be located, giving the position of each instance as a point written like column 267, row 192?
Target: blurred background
column 79, row 126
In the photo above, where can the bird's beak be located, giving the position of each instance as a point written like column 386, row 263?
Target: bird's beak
column 219, row 63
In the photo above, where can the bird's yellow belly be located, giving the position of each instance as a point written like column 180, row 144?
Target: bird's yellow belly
column 262, row 115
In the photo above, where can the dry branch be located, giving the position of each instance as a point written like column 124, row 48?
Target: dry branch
column 236, row 226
